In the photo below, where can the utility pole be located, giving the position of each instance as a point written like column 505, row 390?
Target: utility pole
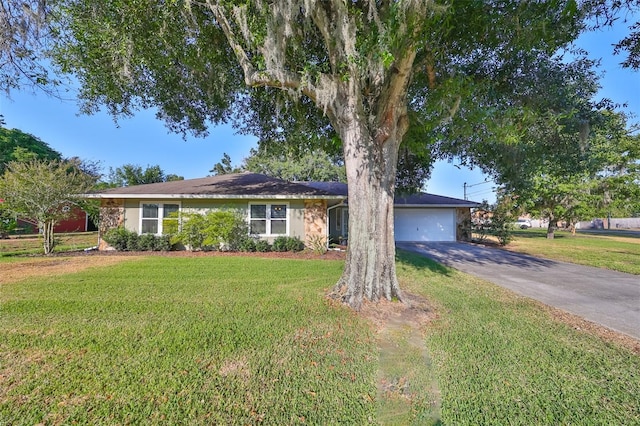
column 465, row 186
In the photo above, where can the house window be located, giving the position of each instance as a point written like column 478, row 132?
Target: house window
column 155, row 215
column 268, row 219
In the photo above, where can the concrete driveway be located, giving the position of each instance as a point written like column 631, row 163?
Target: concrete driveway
column 609, row 298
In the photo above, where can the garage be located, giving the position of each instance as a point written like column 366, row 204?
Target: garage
column 425, row 224
column 417, row 217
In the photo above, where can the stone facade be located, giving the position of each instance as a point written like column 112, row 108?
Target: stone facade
column 463, row 224
column 315, row 221
column 111, row 216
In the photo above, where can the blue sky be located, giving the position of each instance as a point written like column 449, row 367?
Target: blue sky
column 145, row 141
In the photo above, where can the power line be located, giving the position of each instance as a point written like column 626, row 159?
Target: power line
column 465, row 186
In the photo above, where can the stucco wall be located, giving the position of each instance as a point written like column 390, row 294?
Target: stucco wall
column 130, row 211
column 295, row 211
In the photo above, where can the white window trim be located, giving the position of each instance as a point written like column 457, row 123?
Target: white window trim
column 160, row 213
column 268, row 218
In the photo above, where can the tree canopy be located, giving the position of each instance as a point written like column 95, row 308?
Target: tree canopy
column 133, row 174
column 224, row 166
column 606, row 13
column 565, row 166
column 15, row 145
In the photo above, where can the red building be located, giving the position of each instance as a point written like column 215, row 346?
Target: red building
column 79, row 221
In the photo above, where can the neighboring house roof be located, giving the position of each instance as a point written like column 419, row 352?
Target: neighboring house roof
column 238, row 185
column 413, row 200
column 254, row 186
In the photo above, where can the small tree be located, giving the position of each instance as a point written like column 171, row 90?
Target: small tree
column 502, row 221
column 7, row 221
column 224, row 167
column 496, row 220
column 44, row 191
column 216, row 230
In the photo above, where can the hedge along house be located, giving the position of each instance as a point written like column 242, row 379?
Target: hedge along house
column 274, row 207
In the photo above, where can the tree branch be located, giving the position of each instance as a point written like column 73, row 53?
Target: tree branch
column 280, row 78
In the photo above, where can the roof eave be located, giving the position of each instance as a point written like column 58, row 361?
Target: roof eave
column 437, row 205
column 215, row 196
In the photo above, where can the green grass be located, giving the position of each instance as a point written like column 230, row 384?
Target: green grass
column 602, row 251
column 408, row 392
column 502, row 359
column 235, row 340
column 32, row 244
column 179, row 340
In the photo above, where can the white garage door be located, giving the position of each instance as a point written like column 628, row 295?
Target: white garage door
column 425, row 224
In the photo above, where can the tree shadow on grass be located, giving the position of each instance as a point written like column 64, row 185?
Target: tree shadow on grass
column 540, row 234
column 419, row 261
column 463, row 256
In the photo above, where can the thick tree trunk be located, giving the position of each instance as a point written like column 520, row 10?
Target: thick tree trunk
column 370, row 272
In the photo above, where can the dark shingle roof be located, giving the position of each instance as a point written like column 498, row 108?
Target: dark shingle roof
column 423, row 198
column 419, row 199
column 254, row 185
column 239, row 185
column 338, row 188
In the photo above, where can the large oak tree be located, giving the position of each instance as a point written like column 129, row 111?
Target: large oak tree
column 354, row 67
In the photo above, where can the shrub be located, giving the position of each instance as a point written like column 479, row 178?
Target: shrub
column 288, row 244
column 279, row 244
column 294, row 244
column 238, row 236
column 171, row 225
column 216, row 230
column 263, row 246
column 494, row 220
column 117, row 238
column 123, row 240
column 317, row 243
column 163, row 243
column 146, row 242
column 503, row 231
column 132, row 242
column 247, row 244
column 192, row 233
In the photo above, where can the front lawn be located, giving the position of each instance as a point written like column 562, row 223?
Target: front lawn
column 618, row 253
column 244, row 340
column 19, row 245
column 216, row 340
column 504, row 359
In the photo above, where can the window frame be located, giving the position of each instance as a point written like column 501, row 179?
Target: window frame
column 160, row 217
column 268, row 219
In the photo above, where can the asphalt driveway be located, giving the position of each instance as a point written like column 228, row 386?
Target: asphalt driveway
column 609, row 298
